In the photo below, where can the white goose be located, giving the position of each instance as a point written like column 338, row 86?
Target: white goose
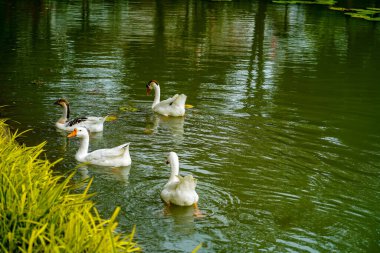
column 174, row 106
column 93, row 124
column 179, row 190
column 117, row 156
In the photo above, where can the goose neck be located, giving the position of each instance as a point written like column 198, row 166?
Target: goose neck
column 174, row 169
column 66, row 111
column 157, row 94
column 83, row 148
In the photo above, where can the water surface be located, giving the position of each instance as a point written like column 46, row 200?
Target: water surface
column 283, row 138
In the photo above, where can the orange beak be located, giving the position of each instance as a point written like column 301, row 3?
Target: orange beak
column 148, row 91
column 73, row 133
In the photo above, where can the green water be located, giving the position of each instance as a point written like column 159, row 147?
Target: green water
column 284, row 136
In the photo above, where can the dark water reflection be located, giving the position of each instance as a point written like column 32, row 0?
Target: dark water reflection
column 283, row 137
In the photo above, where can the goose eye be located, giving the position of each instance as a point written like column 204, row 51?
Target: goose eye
column 167, row 162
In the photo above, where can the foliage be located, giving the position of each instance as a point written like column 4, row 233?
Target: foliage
column 371, row 14
column 39, row 211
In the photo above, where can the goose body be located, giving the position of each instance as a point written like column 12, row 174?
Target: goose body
column 174, row 106
column 117, row 156
column 179, row 190
column 93, row 124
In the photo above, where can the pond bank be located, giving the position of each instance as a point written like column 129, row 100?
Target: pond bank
column 40, row 211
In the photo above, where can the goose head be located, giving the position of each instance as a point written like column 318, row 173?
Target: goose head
column 79, row 132
column 62, row 102
column 172, row 158
column 173, row 162
column 66, row 109
column 150, row 86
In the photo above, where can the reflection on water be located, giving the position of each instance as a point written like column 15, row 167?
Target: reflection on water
column 113, row 174
column 180, row 214
column 283, row 137
column 174, row 125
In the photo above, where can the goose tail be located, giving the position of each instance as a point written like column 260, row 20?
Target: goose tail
column 126, row 148
column 180, row 100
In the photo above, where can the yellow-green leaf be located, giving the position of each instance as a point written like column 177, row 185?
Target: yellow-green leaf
column 128, row 108
column 197, row 248
column 111, row 118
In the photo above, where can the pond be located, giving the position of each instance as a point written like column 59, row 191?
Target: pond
column 283, row 135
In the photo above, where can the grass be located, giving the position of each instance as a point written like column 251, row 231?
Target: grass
column 41, row 212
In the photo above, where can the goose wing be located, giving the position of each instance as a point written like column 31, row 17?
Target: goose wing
column 186, row 184
column 76, row 121
column 169, row 101
column 95, row 120
column 180, row 100
column 109, row 153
